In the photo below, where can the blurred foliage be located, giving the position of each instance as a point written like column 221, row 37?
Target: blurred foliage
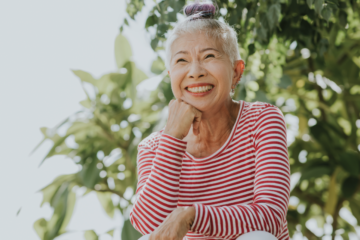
column 302, row 56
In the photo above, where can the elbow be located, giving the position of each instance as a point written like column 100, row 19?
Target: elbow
column 136, row 223
column 279, row 229
column 278, row 222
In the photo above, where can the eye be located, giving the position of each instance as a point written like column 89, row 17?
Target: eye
column 210, row 55
column 181, row 60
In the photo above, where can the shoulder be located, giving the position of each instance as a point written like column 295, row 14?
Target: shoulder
column 151, row 141
column 256, row 110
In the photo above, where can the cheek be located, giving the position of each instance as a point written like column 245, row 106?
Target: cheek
column 222, row 74
column 176, row 80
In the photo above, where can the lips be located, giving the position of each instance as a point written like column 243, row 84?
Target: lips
column 199, row 87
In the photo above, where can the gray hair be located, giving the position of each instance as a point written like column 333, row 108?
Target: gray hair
column 213, row 28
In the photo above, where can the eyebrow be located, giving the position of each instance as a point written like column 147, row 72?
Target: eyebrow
column 201, row 51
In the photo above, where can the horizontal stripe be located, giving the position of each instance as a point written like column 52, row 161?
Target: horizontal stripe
column 244, row 186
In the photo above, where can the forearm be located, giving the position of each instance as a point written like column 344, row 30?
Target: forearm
column 158, row 196
column 230, row 222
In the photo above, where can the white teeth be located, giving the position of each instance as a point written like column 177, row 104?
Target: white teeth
column 200, row 89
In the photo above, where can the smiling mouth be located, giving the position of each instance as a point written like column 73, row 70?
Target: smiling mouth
column 200, row 89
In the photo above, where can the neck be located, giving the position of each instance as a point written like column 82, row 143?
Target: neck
column 215, row 126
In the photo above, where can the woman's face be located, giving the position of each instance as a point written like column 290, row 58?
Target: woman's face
column 201, row 73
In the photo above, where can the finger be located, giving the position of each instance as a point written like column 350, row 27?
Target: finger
column 182, row 101
column 196, row 130
column 196, row 123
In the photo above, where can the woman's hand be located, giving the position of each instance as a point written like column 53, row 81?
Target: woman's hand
column 181, row 116
column 176, row 225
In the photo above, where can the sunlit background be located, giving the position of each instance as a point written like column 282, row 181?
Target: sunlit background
column 40, row 43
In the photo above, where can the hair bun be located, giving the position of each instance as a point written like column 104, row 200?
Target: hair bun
column 200, row 10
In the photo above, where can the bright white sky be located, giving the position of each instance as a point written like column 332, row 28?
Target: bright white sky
column 40, row 41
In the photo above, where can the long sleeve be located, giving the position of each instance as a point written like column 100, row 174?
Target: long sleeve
column 271, row 187
column 158, row 182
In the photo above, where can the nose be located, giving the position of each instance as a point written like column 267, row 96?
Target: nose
column 196, row 71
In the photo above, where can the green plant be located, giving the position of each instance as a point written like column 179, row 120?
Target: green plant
column 302, row 56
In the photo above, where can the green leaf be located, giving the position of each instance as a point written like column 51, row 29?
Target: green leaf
column 242, row 92
column 349, row 186
column 273, row 15
column 90, row 235
column 49, row 192
column 119, row 79
column 171, row 16
column 133, row 7
column 343, row 18
column 355, row 208
column 60, row 205
column 332, row 200
column 90, row 173
column 129, row 232
column 285, row 81
column 151, row 21
column 261, row 96
column 318, row 6
column 18, row 212
column 315, row 172
column 105, row 85
column 262, row 34
column 350, row 162
column 88, row 190
column 84, row 76
column 106, row 202
column 251, row 48
column 137, row 76
column 123, row 51
column 335, row 2
column 58, row 141
column 323, row 46
column 40, row 227
column 310, row 3
column 161, row 30
column 321, row 133
column 154, row 43
column 234, row 18
column 158, row 66
column 111, row 232
column 326, row 13
column 71, row 199
column 86, row 103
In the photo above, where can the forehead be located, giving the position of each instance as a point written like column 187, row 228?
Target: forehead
column 194, row 42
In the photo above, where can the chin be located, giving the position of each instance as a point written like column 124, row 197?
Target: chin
column 202, row 106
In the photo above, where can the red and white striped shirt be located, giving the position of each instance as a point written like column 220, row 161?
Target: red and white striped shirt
column 242, row 187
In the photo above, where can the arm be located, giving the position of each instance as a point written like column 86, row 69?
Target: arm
column 271, row 187
column 158, row 185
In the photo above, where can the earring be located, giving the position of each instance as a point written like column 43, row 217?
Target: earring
column 232, row 90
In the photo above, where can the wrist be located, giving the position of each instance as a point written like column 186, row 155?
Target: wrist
column 173, row 134
column 190, row 215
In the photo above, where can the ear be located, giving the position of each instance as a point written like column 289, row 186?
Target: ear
column 239, row 66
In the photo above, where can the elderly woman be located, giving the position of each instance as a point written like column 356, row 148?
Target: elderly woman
column 219, row 169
